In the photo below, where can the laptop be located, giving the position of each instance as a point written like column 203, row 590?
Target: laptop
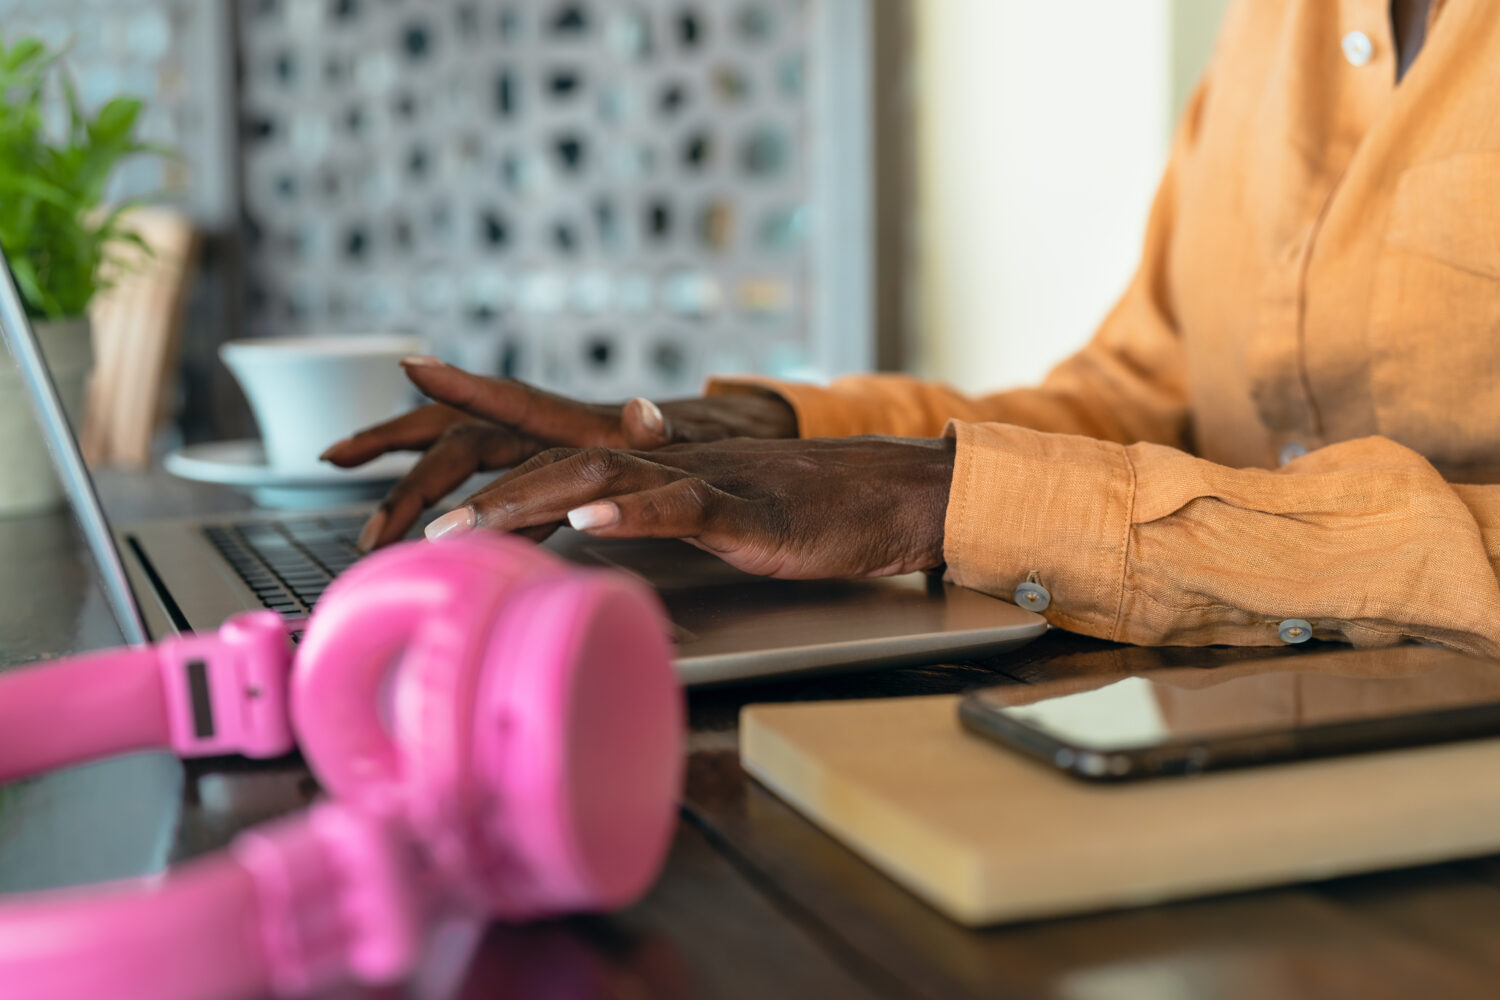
column 190, row 574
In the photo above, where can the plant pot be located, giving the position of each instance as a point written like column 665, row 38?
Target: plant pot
column 28, row 484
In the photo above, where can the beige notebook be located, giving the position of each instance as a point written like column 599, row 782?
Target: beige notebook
column 987, row 836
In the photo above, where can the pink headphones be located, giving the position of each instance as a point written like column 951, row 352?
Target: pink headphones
column 501, row 735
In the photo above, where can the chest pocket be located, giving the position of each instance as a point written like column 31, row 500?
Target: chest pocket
column 1435, row 316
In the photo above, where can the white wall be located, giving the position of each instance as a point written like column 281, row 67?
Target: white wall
column 1044, row 132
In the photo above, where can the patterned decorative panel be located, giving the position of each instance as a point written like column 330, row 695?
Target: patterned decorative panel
column 173, row 54
column 608, row 197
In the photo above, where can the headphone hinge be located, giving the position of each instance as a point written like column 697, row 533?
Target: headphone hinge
column 227, row 693
column 338, row 893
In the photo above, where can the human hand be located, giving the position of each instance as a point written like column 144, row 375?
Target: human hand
column 841, row 508
column 480, row 424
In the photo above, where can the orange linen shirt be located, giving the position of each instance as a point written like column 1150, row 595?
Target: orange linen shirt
column 1294, row 411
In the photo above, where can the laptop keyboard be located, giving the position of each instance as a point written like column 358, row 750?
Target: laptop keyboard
column 288, row 564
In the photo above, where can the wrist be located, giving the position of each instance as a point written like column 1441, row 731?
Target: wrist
column 929, row 507
column 773, row 414
column 750, row 411
column 757, row 403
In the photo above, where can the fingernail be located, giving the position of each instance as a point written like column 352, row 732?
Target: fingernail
column 421, row 361
column 327, row 452
column 370, row 533
column 455, row 522
column 651, row 415
column 595, row 515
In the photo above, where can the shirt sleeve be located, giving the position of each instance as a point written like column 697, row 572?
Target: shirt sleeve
column 1148, row 545
column 1128, row 384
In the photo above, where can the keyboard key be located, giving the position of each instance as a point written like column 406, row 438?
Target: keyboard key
column 286, row 568
column 288, row 565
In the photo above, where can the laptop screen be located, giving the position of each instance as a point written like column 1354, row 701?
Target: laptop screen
column 18, row 336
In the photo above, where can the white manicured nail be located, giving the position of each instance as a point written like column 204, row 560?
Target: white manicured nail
column 595, row 515
column 421, row 361
column 651, row 416
column 371, row 532
column 456, row 522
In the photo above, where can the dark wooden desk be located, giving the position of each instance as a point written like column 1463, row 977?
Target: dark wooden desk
column 755, row 902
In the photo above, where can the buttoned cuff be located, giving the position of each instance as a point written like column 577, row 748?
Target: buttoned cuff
column 1054, row 505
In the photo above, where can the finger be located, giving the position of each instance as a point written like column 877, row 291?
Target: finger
column 515, row 404
column 700, row 514
column 538, row 534
column 682, row 509
column 459, row 520
column 549, row 456
column 545, row 494
column 644, row 425
column 443, row 468
column 410, row 432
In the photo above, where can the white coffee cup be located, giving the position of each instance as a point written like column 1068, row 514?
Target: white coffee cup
column 308, row 392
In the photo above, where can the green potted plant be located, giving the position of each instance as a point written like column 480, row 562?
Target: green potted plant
column 60, row 239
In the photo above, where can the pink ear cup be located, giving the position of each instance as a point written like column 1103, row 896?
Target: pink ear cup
column 364, row 626
column 582, row 761
column 535, row 738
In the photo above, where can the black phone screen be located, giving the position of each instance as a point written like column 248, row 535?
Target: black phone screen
column 1192, row 719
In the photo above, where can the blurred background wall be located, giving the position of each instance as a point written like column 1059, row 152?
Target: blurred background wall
column 602, row 197
column 621, row 196
column 1043, row 131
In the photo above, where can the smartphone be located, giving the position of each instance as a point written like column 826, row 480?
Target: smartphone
column 1192, row 719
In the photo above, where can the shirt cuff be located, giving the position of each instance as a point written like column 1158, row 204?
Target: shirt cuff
column 1056, row 505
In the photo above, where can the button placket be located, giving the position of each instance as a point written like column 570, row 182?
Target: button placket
column 1275, row 360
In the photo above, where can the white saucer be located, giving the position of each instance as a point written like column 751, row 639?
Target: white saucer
column 242, row 465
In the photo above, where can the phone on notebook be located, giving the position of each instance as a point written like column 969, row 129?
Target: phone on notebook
column 1188, row 720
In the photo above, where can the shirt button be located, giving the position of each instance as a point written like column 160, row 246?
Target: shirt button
column 1033, row 597
column 1292, row 452
column 1358, row 48
column 1294, row 630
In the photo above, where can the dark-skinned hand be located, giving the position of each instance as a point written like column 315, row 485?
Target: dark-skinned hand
column 482, row 424
column 848, row 507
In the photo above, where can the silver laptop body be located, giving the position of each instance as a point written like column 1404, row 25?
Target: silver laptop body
column 189, row 574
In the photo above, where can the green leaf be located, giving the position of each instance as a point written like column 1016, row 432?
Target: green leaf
column 20, row 184
column 37, row 300
column 70, row 96
column 23, row 52
column 52, row 186
column 115, row 120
